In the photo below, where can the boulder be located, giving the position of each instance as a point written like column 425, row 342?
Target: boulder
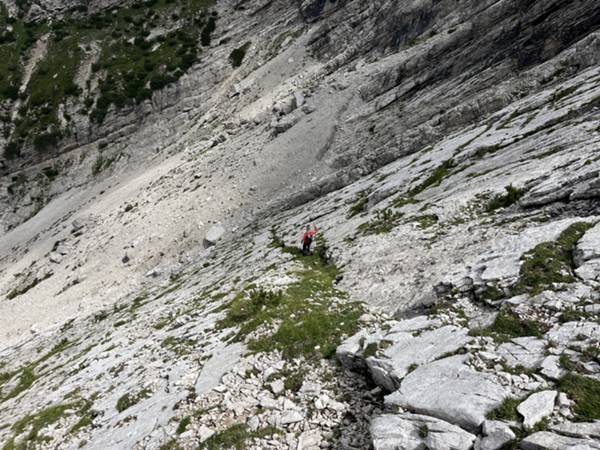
column 450, row 390
column 408, row 350
column 415, row 432
column 496, row 436
column 551, row 367
column 214, row 234
column 545, row 440
column 537, row 407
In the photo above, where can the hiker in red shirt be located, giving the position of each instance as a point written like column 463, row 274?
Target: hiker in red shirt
column 307, row 239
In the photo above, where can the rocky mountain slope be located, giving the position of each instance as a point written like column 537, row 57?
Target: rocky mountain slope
column 161, row 159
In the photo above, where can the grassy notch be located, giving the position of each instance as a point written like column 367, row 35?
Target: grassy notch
column 309, row 323
column 507, row 325
column 550, row 262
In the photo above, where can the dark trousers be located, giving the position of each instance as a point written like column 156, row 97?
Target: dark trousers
column 306, row 248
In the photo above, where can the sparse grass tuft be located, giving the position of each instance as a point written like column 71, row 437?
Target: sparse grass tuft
column 508, row 325
column 512, row 196
column 435, row 178
column 385, row 220
column 128, row 400
column 235, row 437
column 359, row 206
column 506, row 411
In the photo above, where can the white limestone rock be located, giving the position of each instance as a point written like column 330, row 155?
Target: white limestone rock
column 415, row 432
column 537, row 407
column 450, row 390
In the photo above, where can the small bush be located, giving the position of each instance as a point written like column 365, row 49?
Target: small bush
column 512, row 196
column 237, row 56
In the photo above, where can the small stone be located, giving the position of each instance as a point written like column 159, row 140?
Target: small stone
column 277, row 387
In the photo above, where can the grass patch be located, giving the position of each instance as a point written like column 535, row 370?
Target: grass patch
column 308, row 323
column 385, row 220
column 550, row 262
column 512, row 196
column 179, row 346
column 585, row 392
column 183, row 425
column 360, row 206
column 506, row 411
column 33, row 424
column 435, row 178
column 507, row 325
column 425, row 221
column 235, row 437
column 129, row 400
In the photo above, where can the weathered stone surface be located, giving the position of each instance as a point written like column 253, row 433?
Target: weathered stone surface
column 583, row 430
column 545, row 440
column 415, row 432
column 537, row 407
column 496, row 435
column 450, row 390
column 528, row 352
column 551, row 367
column 407, row 350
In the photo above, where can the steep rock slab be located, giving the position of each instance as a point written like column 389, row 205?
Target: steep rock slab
column 583, row 430
column 450, row 390
column 545, row 440
column 408, row 350
column 537, row 407
column 414, row 432
column 526, row 351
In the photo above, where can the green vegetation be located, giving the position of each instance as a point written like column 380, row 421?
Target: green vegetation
column 512, row 196
column 423, row 431
column 170, row 445
column 585, row 392
column 235, row 437
column 183, row 425
column 33, row 424
column 128, row 400
column 179, row 346
column 359, row 206
column 27, row 375
column 401, row 201
column 101, row 164
column 491, row 293
column 506, row 411
column 309, row 324
column 385, row 220
column 435, row 178
column 560, row 94
column 426, row 221
column 507, row 325
column 134, row 59
column 550, row 262
column 237, row 56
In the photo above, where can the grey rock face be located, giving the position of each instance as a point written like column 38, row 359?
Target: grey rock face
column 415, row 432
column 545, row 440
column 496, row 435
column 407, row 351
column 450, row 390
column 527, row 352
